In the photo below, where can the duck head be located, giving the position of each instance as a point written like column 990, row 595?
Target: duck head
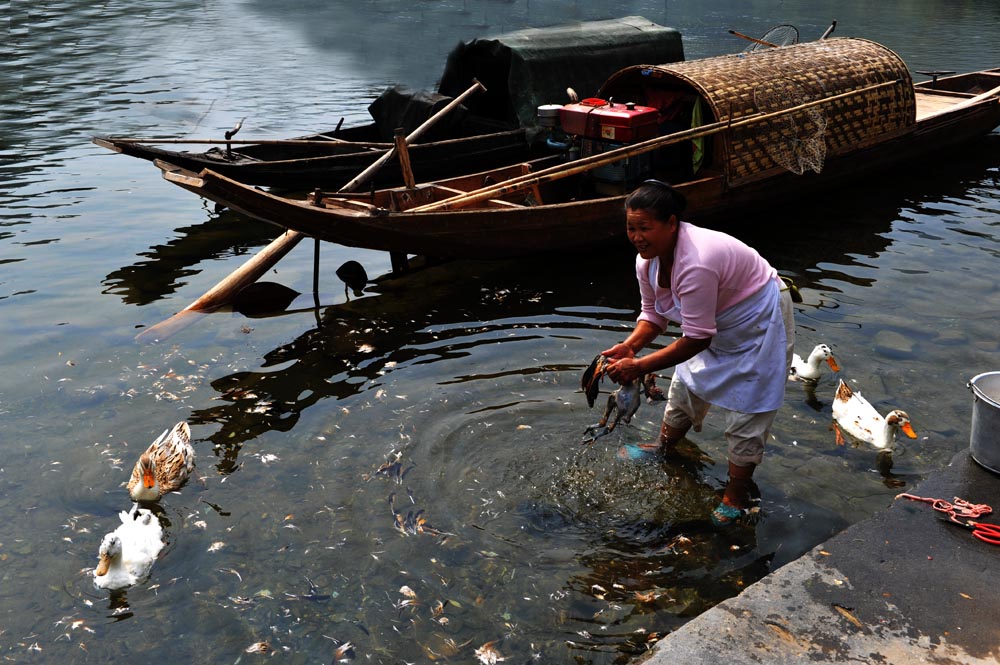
column 111, row 550
column 899, row 420
column 149, row 488
column 824, row 352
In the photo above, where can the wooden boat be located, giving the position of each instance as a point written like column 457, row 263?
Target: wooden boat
column 332, row 159
column 493, row 128
column 773, row 123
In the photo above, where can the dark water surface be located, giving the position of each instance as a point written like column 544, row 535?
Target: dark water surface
column 465, row 374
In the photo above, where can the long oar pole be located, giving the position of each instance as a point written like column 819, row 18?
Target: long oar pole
column 594, row 161
column 261, row 262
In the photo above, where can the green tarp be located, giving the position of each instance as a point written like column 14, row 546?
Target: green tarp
column 527, row 68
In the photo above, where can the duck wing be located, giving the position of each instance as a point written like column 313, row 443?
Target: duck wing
column 591, row 379
column 142, row 542
column 856, row 415
column 795, row 370
column 174, row 457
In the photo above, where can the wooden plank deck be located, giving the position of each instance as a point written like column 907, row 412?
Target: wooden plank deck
column 929, row 103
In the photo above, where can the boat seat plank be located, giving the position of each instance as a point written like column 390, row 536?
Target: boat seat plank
column 176, row 174
column 929, row 102
column 499, row 203
column 349, row 204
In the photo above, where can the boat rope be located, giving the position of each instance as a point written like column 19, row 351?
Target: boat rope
column 959, row 509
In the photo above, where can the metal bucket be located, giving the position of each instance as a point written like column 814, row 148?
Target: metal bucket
column 985, row 437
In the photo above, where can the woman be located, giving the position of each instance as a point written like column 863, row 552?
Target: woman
column 737, row 339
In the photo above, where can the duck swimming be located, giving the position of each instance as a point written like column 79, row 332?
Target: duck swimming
column 164, row 466
column 854, row 415
column 809, row 370
column 127, row 554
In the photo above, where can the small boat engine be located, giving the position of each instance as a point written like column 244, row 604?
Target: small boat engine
column 602, row 125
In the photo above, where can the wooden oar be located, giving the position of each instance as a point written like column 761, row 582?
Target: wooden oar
column 829, row 31
column 589, row 163
column 752, row 39
column 251, row 271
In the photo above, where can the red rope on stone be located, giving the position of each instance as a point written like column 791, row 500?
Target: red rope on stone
column 959, row 509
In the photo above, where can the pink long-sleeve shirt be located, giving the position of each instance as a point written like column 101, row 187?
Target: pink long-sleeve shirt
column 712, row 271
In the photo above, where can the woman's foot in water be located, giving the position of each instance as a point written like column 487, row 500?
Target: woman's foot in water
column 664, row 446
column 641, row 452
column 737, row 505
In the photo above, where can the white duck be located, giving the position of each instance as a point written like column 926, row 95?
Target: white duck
column 164, row 466
column 127, row 554
column 854, row 415
column 809, row 370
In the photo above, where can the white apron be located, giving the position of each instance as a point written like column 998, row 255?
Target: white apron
column 745, row 367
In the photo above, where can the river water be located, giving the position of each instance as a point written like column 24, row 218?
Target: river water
column 465, row 374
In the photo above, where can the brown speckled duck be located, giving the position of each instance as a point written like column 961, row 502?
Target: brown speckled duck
column 164, row 466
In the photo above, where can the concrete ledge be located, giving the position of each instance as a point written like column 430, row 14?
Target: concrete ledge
column 900, row 587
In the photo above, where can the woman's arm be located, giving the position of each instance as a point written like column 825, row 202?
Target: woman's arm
column 630, row 368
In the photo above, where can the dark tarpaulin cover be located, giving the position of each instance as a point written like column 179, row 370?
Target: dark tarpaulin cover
column 404, row 107
column 527, row 68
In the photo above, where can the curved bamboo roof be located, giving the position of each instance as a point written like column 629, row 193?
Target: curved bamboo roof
column 742, row 84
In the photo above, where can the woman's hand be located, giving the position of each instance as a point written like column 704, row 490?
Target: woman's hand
column 618, row 351
column 624, row 370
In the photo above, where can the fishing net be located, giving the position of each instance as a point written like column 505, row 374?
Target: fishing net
column 796, row 141
column 779, row 35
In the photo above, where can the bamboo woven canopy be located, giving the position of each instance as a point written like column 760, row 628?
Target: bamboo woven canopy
column 733, row 86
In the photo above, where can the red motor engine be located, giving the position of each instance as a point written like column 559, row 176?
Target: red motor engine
column 602, row 125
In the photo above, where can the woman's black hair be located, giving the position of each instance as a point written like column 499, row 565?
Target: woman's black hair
column 659, row 198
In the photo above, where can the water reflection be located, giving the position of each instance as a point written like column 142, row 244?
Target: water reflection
column 396, row 325
column 159, row 276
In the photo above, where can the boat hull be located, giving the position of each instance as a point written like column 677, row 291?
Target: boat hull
column 330, row 166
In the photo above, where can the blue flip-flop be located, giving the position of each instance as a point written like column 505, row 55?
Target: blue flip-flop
column 633, row 452
column 725, row 515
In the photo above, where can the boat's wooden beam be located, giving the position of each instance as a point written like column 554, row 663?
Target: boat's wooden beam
column 104, row 143
column 178, row 175
column 404, row 158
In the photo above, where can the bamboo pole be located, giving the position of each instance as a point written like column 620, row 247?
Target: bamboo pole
column 327, row 142
column 261, row 262
column 589, row 163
